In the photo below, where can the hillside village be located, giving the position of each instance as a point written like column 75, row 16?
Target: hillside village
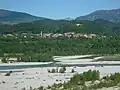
column 68, row 34
column 53, row 35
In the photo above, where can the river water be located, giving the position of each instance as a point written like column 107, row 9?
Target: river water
column 52, row 65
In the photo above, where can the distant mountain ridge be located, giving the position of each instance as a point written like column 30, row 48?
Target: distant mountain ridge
column 7, row 17
column 13, row 17
column 69, row 19
column 110, row 15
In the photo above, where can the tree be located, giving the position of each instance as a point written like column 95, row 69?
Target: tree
column 72, row 71
column 4, row 60
column 53, row 71
column 62, row 70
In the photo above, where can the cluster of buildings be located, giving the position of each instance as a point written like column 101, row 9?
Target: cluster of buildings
column 68, row 34
column 53, row 35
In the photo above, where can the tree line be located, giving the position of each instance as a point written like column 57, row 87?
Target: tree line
column 38, row 49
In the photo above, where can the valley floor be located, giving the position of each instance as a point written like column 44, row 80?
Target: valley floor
column 36, row 77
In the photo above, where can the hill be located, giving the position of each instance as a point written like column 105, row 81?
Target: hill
column 13, row 17
column 110, row 15
column 63, row 26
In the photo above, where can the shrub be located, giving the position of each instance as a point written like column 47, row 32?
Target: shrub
column 3, row 82
column 59, row 85
column 41, row 88
column 53, row 71
column 75, row 79
column 67, row 85
column 30, row 88
column 23, row 89
column 48, row 87
column 72, row 71
column 62, row 70
column 48, row 70
column 91, row 75
column 4, row 60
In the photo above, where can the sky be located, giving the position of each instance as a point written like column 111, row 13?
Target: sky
column 59, row 9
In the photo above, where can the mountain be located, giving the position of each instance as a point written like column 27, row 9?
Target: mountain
column 23, row 22
column 110, row 15
column 13, row 17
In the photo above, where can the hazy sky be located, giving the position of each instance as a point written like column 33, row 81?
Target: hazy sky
column 58, row 9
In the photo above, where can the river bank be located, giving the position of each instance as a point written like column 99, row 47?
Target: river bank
column 24, row 63
column 37, row 77
column 35, row 74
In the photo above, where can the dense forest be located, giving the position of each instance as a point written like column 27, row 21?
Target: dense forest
column 62, row 26
column 42, row 49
